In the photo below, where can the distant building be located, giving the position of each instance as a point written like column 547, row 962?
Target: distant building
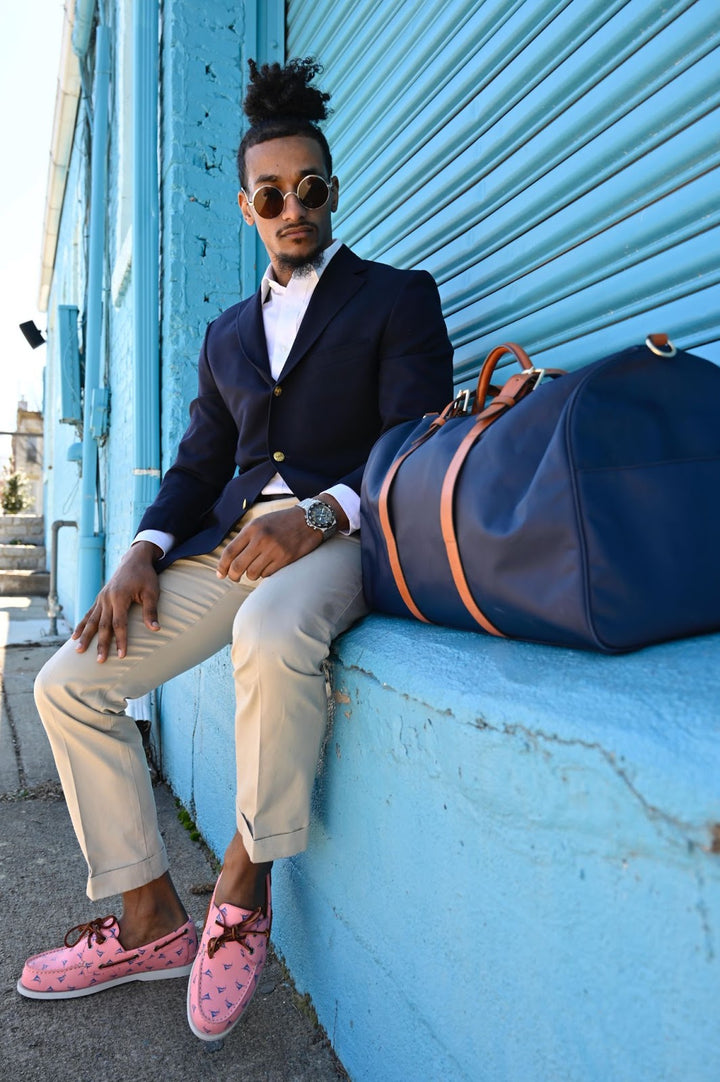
column 27, row 453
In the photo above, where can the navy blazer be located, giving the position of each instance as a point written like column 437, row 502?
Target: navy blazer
column 372, row 351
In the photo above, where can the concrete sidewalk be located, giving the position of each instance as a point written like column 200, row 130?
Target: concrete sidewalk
column 139, row 1030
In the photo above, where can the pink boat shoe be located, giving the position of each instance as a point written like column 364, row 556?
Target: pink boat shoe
column 230, row 959
column 94, row 960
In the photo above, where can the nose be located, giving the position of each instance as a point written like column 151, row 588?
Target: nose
column 293, row 208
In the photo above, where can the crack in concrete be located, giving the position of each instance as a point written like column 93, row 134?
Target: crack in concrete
column 653, row 812
column 19, row 765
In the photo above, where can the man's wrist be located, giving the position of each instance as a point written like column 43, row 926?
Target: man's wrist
column 320, row 516
column 340, row 515
column 347, row 501
column 164, row 541
column 147, row 551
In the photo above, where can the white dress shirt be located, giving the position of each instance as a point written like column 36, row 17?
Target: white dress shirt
column 283, row 310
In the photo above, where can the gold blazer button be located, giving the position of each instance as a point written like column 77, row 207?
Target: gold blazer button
column 278, row 456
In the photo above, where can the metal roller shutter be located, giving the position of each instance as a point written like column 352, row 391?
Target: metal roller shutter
column 553, row 164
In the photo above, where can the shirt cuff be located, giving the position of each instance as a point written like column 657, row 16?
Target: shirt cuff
column 164, row 541
column 350, row 502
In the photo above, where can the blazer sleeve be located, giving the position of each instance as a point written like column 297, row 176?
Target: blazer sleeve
column 416, row 354
column 415, row 373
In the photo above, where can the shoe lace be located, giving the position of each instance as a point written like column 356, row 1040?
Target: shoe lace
column 95, row 928
column 237, row 933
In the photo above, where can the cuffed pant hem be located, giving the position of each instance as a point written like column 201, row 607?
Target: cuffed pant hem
column 121, row 879
column 275, row 847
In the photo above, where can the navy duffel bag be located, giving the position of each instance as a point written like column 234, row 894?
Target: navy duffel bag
column 581, row 509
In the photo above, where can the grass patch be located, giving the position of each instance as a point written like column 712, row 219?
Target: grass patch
column 188, row 822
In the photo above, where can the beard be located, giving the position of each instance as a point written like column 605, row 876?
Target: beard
column 301, row 265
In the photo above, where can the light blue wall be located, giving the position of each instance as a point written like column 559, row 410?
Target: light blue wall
column 69, row 287
column 200, row 254
column 62, row 478
column 553, row 165
column 200, row 266
column 200, row 227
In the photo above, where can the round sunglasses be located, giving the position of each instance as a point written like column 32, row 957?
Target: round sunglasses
column 312, row 193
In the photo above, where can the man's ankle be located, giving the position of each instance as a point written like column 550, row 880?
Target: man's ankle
column 245, row 888
column 149, row 912
column 135, row 933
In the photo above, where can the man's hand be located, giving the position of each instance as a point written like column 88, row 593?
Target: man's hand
column 272, row 541
column 134, row 582
column 268, row 543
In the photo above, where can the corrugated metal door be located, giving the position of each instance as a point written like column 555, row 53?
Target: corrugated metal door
column 554, row 164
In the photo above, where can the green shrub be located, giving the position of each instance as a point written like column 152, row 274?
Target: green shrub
column 14, row 492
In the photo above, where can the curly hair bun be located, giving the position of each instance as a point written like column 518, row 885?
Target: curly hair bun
column 275, row 92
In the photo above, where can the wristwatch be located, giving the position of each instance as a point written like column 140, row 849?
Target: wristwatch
column 320, row 516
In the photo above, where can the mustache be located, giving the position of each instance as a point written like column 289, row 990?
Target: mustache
column 302, row 224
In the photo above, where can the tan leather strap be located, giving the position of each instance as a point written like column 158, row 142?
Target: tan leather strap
column 384, row 516
column 516, row 388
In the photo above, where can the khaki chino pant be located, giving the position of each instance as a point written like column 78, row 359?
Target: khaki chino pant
column 280, row 629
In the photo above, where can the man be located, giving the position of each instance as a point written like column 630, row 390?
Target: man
column 252, row 540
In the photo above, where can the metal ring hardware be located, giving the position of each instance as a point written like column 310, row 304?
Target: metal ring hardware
column 660, row 344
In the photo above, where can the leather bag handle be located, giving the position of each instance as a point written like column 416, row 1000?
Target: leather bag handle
column 484, row 387
column 489, row 364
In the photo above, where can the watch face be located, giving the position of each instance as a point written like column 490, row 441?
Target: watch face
column 321, row 515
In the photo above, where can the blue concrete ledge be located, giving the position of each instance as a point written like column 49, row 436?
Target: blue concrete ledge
column 512, row 873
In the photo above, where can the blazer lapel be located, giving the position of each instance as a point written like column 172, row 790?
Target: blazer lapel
column 342, row 278
column 251, row 334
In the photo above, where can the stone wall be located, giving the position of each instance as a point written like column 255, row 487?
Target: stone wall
column 23, row 560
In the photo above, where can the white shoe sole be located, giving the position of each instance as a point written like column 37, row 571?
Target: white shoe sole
column 154, row 975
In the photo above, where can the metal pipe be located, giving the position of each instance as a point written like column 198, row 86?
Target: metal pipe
column 54, row 608
column 145, row 286
column 91, row 543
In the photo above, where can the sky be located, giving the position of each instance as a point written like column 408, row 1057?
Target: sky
column 29, row 65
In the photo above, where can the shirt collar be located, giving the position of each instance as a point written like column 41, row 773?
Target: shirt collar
column 269, row 282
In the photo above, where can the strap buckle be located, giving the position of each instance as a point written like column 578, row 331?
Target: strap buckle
column 460, row 404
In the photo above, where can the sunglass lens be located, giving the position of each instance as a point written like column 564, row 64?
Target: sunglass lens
column 268, row 201
column 313, row 192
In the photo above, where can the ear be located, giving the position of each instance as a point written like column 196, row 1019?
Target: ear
column 335, row 193
column 245, row 208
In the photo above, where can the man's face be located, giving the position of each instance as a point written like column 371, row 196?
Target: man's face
column 298, row 235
